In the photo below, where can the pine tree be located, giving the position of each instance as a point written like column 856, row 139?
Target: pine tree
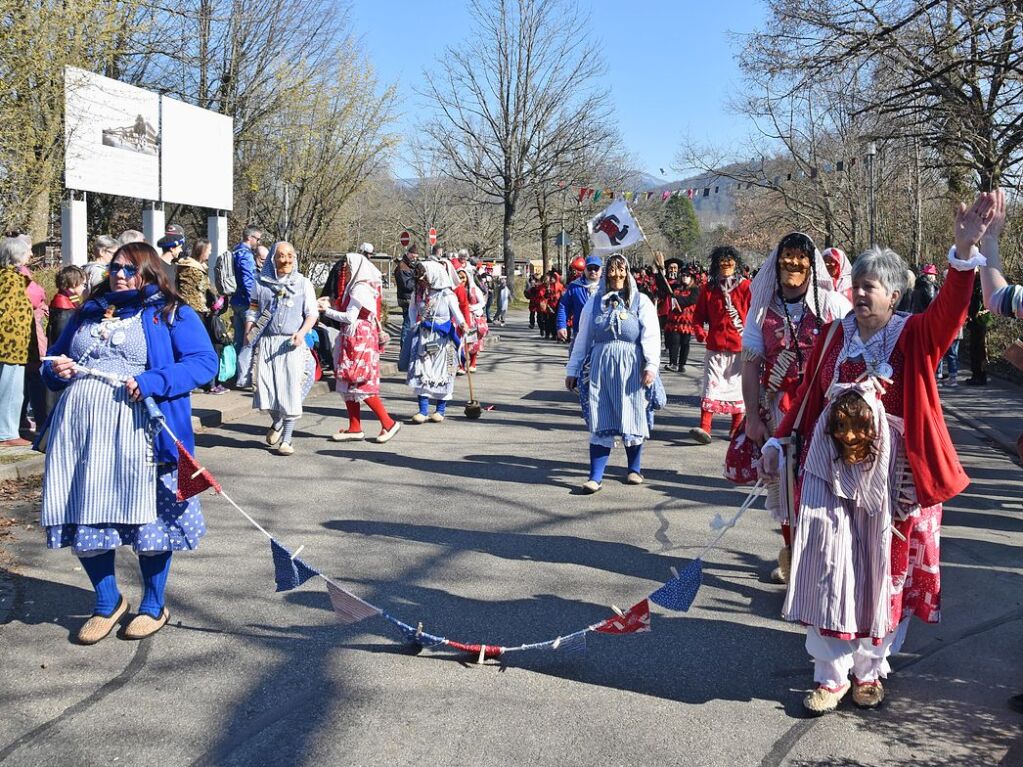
column 678, row 224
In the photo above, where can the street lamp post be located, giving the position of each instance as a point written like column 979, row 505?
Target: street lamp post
column 871, row 152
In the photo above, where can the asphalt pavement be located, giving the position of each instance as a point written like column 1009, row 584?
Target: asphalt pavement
column 477, row 529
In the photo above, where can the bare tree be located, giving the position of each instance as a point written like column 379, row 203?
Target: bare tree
column 511, row 100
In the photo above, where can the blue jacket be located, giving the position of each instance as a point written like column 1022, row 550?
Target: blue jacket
column 181, row 358
column 244, row 274
column 572, row 302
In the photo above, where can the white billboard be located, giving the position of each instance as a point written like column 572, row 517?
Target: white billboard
column 111, row 135
column 197, row 156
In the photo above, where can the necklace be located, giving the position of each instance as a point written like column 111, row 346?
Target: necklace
column 109, row 330
column 878, row 365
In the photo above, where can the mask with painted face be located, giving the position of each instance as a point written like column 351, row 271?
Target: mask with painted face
column 793, row 267
column 851, row 426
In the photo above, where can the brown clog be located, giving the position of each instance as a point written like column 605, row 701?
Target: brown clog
column 143, row 625
column 99, row 626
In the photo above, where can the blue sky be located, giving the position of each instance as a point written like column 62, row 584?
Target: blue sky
column 672, row 60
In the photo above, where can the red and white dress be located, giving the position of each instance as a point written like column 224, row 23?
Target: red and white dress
column 357, row 348
column 865, row 553
column 723, row 308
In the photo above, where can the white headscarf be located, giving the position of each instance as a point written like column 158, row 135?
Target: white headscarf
column 473, row 291
column 764, row 288
column 438, row 275
column 843, row 284
column 364, row 281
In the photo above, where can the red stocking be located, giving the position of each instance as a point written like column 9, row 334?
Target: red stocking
column 375, row 404
column 736, row 420
column 786, row 534
column 354, row 416
column 472, row 359
column 705, row 419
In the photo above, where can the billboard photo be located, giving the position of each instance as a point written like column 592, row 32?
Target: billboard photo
column 111, row 136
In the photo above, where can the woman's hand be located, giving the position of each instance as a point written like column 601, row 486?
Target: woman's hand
column 971, row 223
column 769, row 462
column 756, row 429
column 570, row 382
column 997, row 222
column 648, row 377
column 297, row 340
column 133, row 390
column 323, row 303
column 63, row 367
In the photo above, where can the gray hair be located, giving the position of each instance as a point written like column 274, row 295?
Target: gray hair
column 14, row 251
column 104, row 242
column 131, row 235
column 885, row 265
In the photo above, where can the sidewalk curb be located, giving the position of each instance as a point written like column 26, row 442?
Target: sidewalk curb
column 30, row 467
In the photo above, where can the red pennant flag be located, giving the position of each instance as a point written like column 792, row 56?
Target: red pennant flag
column 582, row 193
column 665, row 195
column 192, row 478
column 636, row 620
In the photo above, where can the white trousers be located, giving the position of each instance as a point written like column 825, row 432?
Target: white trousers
column 834, row 659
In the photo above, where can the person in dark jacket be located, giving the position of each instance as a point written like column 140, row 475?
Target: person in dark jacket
column 925, row 289
column 405, row 286
column 978, row 319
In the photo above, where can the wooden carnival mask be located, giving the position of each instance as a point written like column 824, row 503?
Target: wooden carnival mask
column 851, row 426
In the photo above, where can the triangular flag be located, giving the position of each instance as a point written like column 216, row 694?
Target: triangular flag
column 634, row 621
column 192, row 478
column 679, row 593
column 665, row 195
column 582, row 193
column 597, row 195
column 289, row 572
column 628, row 196
column 415, row 636
column 349, row 608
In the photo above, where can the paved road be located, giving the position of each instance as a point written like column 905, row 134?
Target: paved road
column 475, row 528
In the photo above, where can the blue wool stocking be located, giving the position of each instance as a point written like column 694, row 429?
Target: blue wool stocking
column 424, row 406
column 155, row 569
column 598, row 461
column 442, row 406
column 100, row 569
column 634, row 454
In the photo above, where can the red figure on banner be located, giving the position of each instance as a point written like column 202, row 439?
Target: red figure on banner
column 634, row 621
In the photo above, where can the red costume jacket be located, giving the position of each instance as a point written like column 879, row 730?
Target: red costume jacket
column 937, row 473
column 711, row 310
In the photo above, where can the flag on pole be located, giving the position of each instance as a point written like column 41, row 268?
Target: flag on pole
column 349, row 608
column 679, row 593
column 290, row 572
column 634, row 621
column 192, row 478
column 614, row 229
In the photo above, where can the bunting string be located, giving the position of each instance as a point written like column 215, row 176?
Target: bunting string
column 290, row 572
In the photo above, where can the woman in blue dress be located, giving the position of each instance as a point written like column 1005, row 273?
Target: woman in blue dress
column 111, row 478
column 614, row 365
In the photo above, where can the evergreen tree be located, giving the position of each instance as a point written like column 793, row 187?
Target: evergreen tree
column 678, row 224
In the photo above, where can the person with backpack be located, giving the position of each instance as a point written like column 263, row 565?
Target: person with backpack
column 243, row 260
column 405, row 285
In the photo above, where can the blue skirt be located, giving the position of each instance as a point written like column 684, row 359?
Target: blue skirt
column 179, row 526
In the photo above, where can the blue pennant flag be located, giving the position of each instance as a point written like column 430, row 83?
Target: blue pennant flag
column 679, row 593
column 413, row 636
column 290, row 573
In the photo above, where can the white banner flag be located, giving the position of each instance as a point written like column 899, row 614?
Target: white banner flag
column 614, row 229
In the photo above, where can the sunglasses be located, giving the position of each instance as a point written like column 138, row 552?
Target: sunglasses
column 592, row 268
column 128, row 270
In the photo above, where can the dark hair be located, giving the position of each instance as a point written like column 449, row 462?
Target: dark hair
column 151, row 270
column 802, row 243
column 69, row 277
column 718, row 254
column 435, row 248
column 251, row 230
column 198, row 247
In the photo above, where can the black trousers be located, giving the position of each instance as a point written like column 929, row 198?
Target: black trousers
column 532, row 318
column 978, row 348
column 678, row 347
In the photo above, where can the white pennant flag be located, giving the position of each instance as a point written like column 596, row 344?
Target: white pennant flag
column 614, row 229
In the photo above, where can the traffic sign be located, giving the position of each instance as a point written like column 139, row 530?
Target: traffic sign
column 405, row 238
column 433, row 236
